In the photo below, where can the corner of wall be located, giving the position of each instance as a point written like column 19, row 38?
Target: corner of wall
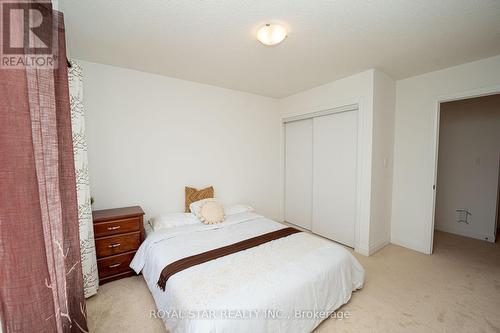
column 384, row 95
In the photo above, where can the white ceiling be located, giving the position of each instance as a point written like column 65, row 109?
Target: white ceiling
column 213, row 41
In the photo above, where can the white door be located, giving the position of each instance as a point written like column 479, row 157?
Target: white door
column 334, row 176
column 298, row 172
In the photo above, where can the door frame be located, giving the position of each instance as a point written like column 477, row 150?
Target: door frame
column 497, row 215
column 361, row 159
column 481, row 92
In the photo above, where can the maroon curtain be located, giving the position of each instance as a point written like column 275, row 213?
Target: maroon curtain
column 41, row 284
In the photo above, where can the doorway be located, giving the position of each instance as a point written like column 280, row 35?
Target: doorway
column 467, row 185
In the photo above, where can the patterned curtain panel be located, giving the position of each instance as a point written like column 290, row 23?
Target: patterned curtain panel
column 87, row 246
column 41, row 286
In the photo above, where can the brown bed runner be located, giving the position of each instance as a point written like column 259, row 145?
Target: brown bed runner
column 201, row 258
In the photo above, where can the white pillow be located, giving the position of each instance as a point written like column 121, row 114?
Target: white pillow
column 211, row 212
column 237, row 208
column 172, row 220
column 195, row 206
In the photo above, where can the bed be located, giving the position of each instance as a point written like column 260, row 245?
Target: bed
column 289, row 284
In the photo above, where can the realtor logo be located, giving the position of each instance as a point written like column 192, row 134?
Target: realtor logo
column 29, row 37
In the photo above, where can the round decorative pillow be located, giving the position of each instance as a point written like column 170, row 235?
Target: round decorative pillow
column 211, row 212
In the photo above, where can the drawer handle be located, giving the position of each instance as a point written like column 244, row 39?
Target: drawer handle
column 115, row 265
column 114, row 245
column 114, row 228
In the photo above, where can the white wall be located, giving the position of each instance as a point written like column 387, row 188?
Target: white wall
column 414, row 149
column 150, row 135
column 356, row 89
column 384, row 96
column 186, row 125
column 469, row 151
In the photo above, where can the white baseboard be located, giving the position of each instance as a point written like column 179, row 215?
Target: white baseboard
column 362, row 250
column 409, row 245
column 374, row 247
column 488, row 238
column 377, row 246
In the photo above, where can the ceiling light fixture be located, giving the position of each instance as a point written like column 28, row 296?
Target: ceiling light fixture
column 271, row 34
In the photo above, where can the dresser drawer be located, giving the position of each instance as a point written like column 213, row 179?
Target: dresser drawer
column 114, row 264
column 117, row 244
column 117, row 227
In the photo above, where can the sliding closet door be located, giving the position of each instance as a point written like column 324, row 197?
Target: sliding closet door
column 334, row 176
column 298, row 172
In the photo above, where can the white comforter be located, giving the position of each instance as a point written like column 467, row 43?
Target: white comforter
column 280, row 286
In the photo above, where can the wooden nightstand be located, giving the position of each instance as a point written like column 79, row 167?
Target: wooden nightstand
column 118, row 233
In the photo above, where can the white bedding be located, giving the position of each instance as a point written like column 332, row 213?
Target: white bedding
column 275, row 287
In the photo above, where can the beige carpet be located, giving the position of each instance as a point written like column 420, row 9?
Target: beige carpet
column 457, row 289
